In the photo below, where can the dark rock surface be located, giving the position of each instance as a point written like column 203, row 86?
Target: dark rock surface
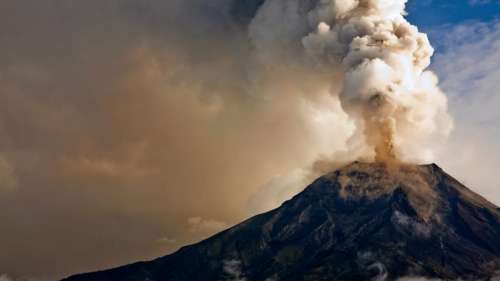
column 362, row 222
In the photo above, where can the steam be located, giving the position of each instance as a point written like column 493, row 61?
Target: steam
column 405, row 222
column 233, row 269
column 199, row 224
column 372, row 60
column 381, row 271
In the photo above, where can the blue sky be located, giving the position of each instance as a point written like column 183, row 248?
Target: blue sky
column 466, row 36
column 437, row 16
column 431, row 13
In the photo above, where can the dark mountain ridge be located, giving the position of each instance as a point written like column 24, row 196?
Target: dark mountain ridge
column 362, row 222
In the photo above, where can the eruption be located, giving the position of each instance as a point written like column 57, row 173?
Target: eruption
column 376, row 62
column 197, row 108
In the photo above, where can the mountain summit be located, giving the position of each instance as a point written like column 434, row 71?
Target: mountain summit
column 362, row 222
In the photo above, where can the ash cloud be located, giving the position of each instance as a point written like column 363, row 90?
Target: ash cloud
column 120, row 120
column 370, row 59
column 5, row 277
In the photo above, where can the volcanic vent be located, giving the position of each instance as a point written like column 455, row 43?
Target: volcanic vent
column 362, row 222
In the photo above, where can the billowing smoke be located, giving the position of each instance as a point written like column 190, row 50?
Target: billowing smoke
column 166, row 117
column 372, row 60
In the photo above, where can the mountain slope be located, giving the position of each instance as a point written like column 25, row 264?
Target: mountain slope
column 362, row 222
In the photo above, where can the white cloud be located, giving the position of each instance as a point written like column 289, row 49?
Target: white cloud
column 205, row 226
column 469, row 69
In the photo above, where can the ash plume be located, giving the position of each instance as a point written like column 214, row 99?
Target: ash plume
column 115, row 103
column 375, row 62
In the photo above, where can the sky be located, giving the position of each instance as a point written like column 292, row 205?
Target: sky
column 428, row 14
column 466, row 35
column 129, row 129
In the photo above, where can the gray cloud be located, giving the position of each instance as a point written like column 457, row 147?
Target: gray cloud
column 120, row 120
column 4, row 277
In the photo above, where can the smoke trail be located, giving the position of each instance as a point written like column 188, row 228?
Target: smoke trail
column 375, row 62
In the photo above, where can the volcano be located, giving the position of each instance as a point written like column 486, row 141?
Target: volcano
column 362, row 222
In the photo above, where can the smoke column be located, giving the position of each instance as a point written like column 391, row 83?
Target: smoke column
column 375, row 61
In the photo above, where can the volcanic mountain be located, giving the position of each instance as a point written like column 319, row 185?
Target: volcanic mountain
column 362, row 222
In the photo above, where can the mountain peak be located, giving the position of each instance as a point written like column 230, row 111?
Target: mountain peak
column 427, row 187
column 373, row 180
column 365, row 221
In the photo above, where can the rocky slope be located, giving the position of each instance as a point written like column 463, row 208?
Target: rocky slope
column 362, row 222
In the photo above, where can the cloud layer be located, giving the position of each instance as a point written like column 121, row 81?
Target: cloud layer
column 130, row 128
column 121, row 120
